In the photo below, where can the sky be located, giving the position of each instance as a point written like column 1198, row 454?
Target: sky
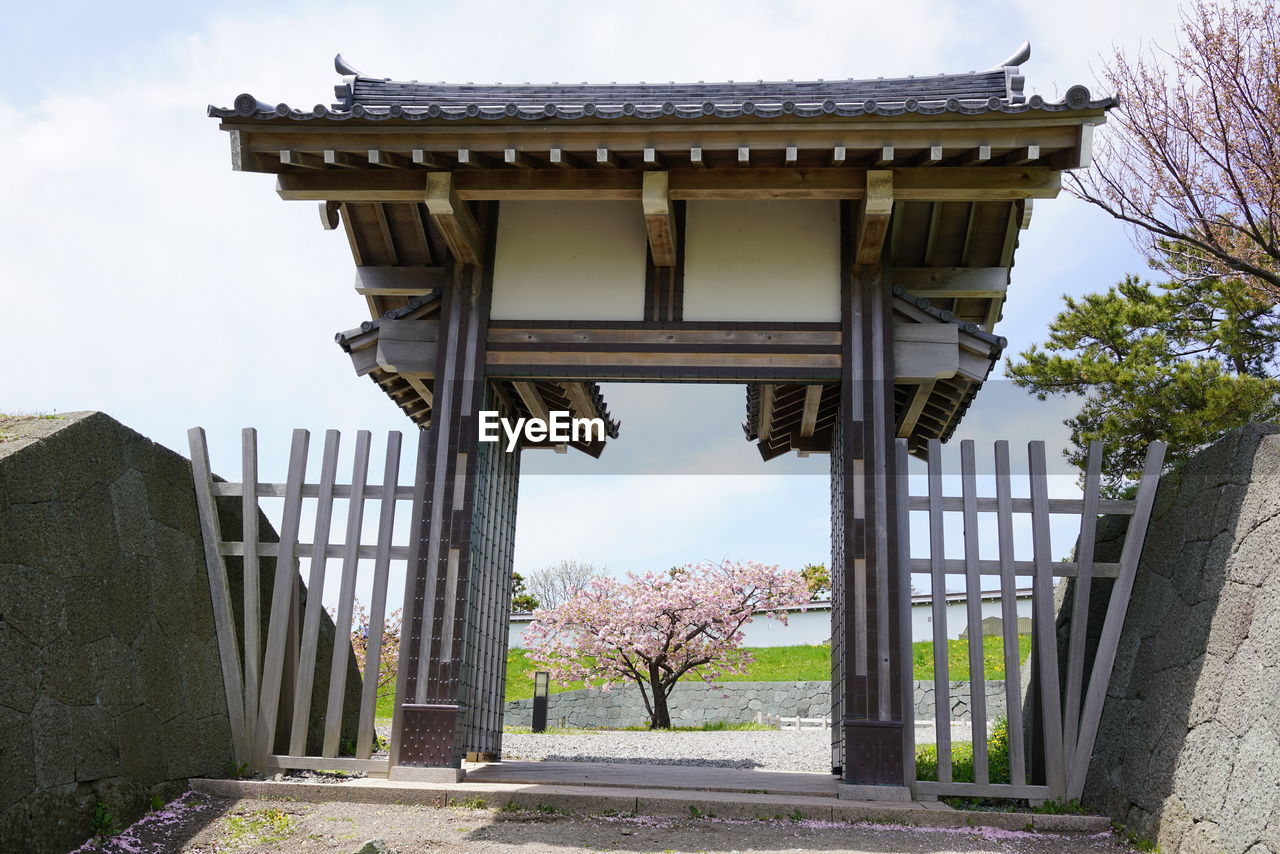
column 141, row 277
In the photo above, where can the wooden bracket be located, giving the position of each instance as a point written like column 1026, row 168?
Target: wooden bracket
column 454, row 218
column 873, row 224
column 659, row 222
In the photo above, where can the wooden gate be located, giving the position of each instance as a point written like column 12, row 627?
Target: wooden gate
column 1067, row 724
column 269, row 686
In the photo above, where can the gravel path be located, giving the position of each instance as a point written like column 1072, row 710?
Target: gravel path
column 806, row 750
column 780, row 750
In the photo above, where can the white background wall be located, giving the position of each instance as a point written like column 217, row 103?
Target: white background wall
column 814, row 626
column 569, row 261
column 762, row 260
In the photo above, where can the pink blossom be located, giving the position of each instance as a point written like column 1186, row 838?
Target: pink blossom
column 654, row 628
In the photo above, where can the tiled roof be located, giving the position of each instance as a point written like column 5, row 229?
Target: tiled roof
column 361, row 97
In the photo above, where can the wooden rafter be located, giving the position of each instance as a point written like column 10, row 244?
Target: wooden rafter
column 532, row 399
column 809, row 415
column 911, row 414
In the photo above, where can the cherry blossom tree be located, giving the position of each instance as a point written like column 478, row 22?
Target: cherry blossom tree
column 1191, row 157
column 655, row 628
column 388, row 653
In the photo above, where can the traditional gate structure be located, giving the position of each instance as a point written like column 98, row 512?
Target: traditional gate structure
column 843, row 248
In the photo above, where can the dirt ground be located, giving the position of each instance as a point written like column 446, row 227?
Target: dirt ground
column 197, row 824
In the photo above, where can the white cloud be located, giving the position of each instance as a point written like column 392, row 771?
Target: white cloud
column 140, row 276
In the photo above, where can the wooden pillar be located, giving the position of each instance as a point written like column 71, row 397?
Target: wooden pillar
column 444, row 685
column 867, row 667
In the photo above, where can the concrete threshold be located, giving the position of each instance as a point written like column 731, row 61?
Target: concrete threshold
column 641, row 801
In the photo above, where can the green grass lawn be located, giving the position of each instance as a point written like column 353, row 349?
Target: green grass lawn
column 788, row 663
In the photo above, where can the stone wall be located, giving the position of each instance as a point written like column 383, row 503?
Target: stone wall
column 694, row 703
column 111, row 690
column 1188, row 750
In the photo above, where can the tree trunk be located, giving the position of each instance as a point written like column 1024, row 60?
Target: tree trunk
column 661, row 717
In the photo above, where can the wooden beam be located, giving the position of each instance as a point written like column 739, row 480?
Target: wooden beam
column 384, row 228
column 1022, row 156
column 398, row 281
column 301, row 159
column 744, row 155
column 809, row 415
column 473, row 159
column 886, row 156
column 695, row 157
column 340, row 158
column 425, row 159
column 453, row 218
column 658, row 219
column 516, row 158
column 981, row 154
column 838, row 156
column 923, row 352
column 532, row 400
column 942, row 183
column 386, row 159
column 790, row 156
column 563, row 159
column 877, row 208
column 949, row 282
column 930, row 156
column 652, row 159
column 605, row 158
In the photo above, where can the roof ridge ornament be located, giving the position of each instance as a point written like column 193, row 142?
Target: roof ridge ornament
column 1019, row 56
column 345, row 68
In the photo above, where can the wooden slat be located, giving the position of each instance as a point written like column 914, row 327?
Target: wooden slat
column 1113, row 623
column 1080, row 601
column 378, row 603
column 973, row 607
column 346, row 599
column 1062, row 506
column 371, row 767
column 301, row 550
column 1009, row 617
column 309, row 490
column 219, row 595
column 282, row 591
column 990, row 790
column 938, row 586
column 251, row 579
column 1060, row 569
column 1045, row 628
column 904, row 613
column 315, row 606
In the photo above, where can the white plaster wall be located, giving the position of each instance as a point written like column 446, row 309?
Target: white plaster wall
column 771, row 259
column 569, row 260
column 814, row 626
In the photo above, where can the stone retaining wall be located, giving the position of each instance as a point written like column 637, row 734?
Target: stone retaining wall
column 111, row 690
column 693, row 704
column 1188, row 750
